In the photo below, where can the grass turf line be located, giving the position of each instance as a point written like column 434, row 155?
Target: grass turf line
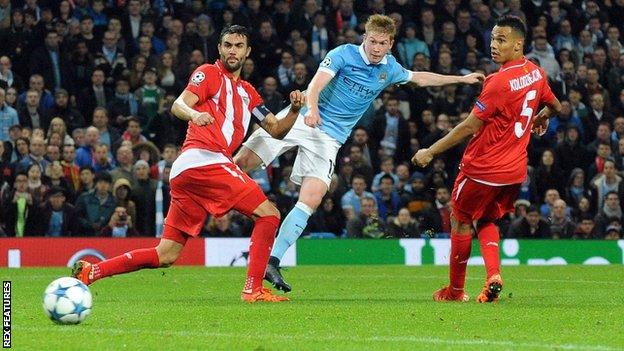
column 332, row 308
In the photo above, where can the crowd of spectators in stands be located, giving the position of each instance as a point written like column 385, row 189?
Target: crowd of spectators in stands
column 88, row 139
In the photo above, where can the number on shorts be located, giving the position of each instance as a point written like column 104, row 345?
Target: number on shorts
column 331, row 168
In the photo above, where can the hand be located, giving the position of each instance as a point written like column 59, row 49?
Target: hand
column 297, row 100
column 202, row 118
column 541, row 121
column 422, row 157
column 312, row 118
column 473, row 78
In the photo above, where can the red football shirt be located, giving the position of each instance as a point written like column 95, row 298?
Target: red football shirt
column 230, row 102
column 511, row 97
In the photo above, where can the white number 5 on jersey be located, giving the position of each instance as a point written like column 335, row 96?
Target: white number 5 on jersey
column 526, row 112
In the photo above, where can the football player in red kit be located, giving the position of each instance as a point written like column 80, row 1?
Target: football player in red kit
column 219, row 106
column 495, row 161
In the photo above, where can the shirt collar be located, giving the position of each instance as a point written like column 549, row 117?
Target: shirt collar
column 223, row 69
column 383, row 61
column 517, row 62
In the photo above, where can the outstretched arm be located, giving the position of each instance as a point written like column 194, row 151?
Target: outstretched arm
column 278, row 128
column 428, row 79
column 468, row 127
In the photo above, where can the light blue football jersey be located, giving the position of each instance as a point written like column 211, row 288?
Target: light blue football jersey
column 355, row 85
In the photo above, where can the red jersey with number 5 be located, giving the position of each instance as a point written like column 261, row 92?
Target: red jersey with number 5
column 230, row 102
column 511, row 97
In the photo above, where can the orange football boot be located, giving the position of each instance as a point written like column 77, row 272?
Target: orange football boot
column 81, row 271
column 491, row 290
column 262, row 295
column 447, row 294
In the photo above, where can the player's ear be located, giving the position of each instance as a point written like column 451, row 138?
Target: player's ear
column 248, row 51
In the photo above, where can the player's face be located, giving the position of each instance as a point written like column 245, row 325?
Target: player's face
column 505, row 45
column 376, row 46
column 233, row 51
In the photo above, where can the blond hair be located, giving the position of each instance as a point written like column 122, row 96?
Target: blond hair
column 381, row 24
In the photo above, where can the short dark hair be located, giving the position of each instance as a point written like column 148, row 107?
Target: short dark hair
column 386, row 176
column 515, row 22
column 532, row 208
column 235, row 29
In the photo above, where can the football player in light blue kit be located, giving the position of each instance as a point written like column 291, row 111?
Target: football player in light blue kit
column 346, row 83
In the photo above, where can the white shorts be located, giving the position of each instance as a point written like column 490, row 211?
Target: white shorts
column 317, row 150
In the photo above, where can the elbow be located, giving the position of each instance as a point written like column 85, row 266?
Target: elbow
column 278, row 134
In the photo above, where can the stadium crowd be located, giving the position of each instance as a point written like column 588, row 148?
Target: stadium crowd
column 88, row 138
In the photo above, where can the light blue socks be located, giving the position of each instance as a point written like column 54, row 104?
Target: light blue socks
column 292, row 227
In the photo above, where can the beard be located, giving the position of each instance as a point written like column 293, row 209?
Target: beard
column 233, row 67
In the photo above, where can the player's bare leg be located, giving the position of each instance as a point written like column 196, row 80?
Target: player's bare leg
column 267, row 219
column 489, row 238
column 310, row 197
column 461, row 242
column 247, row 160
column 163, row 255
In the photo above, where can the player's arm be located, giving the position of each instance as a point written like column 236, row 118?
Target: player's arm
column 278, row 128
column 317, row 84
column 466, row 128
column 182, row 108
column 428, row 79
column 540, row 122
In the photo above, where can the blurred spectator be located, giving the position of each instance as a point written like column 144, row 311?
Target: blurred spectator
column 8, row 77
column 57, row 125
column 586, row 228
column 31, row 114
column 19, row 209
column 123, row 105
column 95, row 208
column 95, row 95
column 548, row 175
column 102, row 162
column 272, row 98
column 388, row 201
column 571, row 153
column 365, row 223
column 8, row 117
column 55, row 178
column 144, row 196
column 410, row 45
column 403, row 225
column 390, row 130
column 438, row 218
column 71, row 171
column 327, row 218
column 576, row 188
column 360, row 164
column 532, row 226
column 119, row 225
column 85, row 154
column 387, row 168
column 56, row 216
column 605, row 182
column 50, row 63
column 108, row 136
column 350, row 202
column 550, row 196
column 150, row 97
column 223, row 227
column 37, row 151
column 561, row 225
column 608, row 212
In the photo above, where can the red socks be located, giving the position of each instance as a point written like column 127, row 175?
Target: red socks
column 262, row 239
column 128, row 262
column 460, row 252
column 489, row 238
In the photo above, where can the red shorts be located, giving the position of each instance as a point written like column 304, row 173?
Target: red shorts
column 214, row 189
column 473, row 200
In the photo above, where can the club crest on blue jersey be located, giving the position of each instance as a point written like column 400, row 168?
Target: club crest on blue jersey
column 383, row 76
column 480, row 105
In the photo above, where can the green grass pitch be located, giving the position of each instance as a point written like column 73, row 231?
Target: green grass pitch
column 331, row 308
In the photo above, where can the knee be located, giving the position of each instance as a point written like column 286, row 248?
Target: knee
column 313, row 201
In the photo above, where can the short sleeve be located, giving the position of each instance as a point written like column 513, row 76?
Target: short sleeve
column 485, row 107
column 204, row 82
column 334, row 61
column 400, row 75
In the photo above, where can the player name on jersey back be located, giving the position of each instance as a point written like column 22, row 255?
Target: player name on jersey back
column 525, row 80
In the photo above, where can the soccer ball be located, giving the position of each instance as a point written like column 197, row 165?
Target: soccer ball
column 67, row 301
